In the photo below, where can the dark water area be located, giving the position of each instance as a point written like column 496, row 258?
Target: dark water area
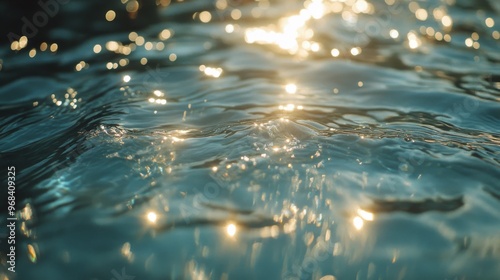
column 271, row 139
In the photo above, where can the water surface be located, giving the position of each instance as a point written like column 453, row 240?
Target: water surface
column 257, row 140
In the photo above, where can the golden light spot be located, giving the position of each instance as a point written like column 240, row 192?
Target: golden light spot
column 160, row 46
column 126, row 50
column 110, row 15
column 229, row 28
column 469, row 42
column 315, row 47
column 112, row 46
column 97, row 48
column 446, row 21
column 421, row 14
column 14, row 46
column 205, row 16
column 152, row 217
column 32, row 53
column 489, row 22
column 148, row 46
column 358, row 223
column 231, row 230
column 172, row 57
column 413, row 6
column 80, row 66
column 132, row 36
column 123, row 62
column 394, row 34
column 316, row 9
column 23, row 42
column 235, row 14
column 335, row 52
column 221, row 4
column 43, row 46
column 126, row 78
column 439, row 36
column 360, row 84
column 495, row 34
column 291, row 88
column 140, row 40
column 132, row 6
column 53, row 47
column 355, row 51
column 165, row 34
column 430, row 31
column 438, row 13
column 413, row 41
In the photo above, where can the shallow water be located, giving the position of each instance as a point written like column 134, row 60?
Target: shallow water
column 350, row 140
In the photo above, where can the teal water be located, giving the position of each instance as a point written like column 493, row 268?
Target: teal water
column 257, row 140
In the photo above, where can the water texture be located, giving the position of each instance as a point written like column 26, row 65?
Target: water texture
column 255, row 140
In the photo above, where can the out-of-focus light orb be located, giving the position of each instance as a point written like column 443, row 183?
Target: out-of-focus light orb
column 394, row 34
column 413, row 41
column 446, row 21
column 229, row 28
column 316, row 9
column 110, row 15
column 97, row 48
column 358, row 223
column 32, row 53
column 315, row 47
column 53, row 47
column 126, row 78
column 152, row 217
column 205, row 16
column 335, row 52
column 421, row 14
column 221, row 4
column 231, row 230
column 165, row 34
column 489, row 22
column 469, row 42
column 291, row 88
column 355, row 51
column 236, row 14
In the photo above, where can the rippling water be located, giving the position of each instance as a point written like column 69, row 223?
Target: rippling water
column 256, row 140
